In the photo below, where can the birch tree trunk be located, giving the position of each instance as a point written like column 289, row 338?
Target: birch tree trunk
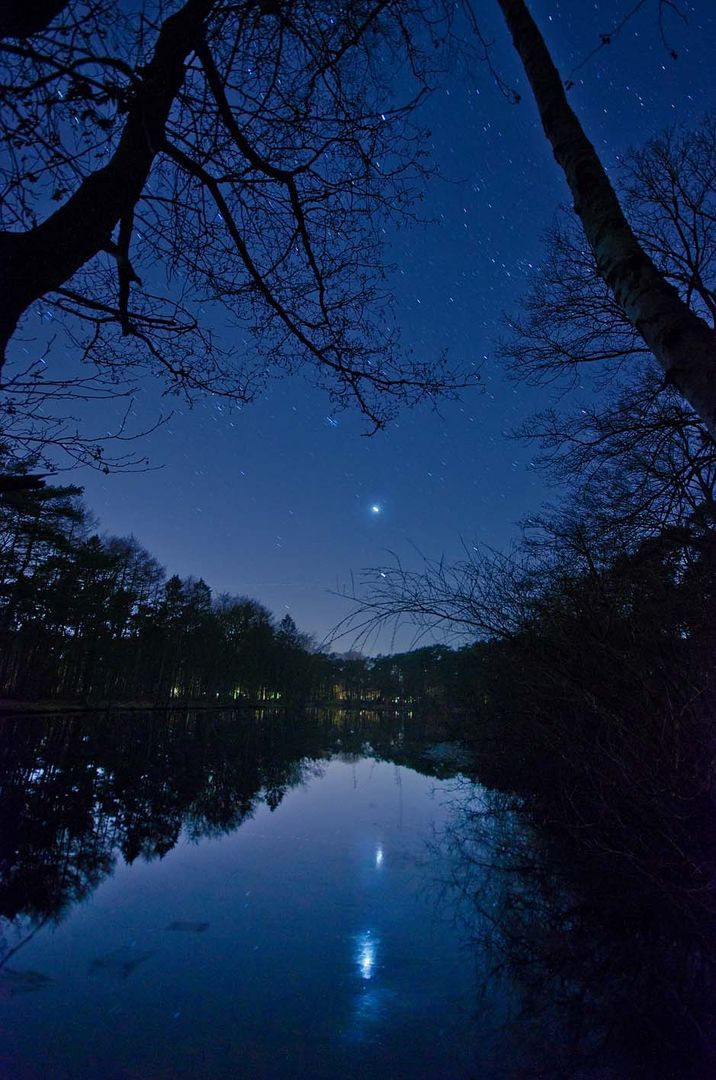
column 683, row 344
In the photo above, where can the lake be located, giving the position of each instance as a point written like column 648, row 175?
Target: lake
column 229, row 896
column 260, row 895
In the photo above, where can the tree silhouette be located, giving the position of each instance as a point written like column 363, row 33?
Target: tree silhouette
column 230, row 165
column 213, row 164
column 675, row 333
column 94, row 618
column 633, row 453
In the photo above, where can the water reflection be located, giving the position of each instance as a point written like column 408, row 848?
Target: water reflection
column 366, row 954
column 237, row 917
column 77, row 792
column 121, row 963
column 602, row 981
column 257, row 873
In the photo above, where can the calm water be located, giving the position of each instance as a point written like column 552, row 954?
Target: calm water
column 263, row 896
column 235, row 914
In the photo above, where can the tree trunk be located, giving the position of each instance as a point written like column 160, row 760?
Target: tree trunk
column 42, row 259
column 683, row 344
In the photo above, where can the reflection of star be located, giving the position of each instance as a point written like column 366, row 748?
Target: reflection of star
column 375, row 509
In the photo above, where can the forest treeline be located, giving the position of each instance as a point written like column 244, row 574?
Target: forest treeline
column 86, row 617
column 92, row 618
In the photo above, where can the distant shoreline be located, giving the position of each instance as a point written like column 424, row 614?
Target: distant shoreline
column 10, row 706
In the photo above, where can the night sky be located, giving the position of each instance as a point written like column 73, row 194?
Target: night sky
column 284, row 499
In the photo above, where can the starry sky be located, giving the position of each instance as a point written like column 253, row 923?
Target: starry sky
column 284, row 500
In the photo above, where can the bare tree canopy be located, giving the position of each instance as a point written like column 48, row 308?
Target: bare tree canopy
column 683, row 343
column 633, row 449
column 181, row 176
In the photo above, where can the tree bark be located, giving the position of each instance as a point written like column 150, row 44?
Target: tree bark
column 683, row 344
column 42, row 259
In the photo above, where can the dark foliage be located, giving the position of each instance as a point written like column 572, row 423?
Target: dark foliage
column 85, row 617
column 90, row 618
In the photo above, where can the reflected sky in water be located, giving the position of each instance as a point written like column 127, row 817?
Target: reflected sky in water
column 325, row 954
column 273, row 896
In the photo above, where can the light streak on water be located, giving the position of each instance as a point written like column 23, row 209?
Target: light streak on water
column 366, row 953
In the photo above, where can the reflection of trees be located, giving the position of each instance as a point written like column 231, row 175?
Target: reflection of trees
column 76, row 792
column 605, row 976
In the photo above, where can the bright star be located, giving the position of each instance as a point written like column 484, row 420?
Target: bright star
column 375, row 508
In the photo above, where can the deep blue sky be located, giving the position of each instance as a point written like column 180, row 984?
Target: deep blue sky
column 274, row 501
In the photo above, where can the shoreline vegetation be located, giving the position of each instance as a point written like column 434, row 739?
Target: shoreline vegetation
column 91, row 621
column 29, row 708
